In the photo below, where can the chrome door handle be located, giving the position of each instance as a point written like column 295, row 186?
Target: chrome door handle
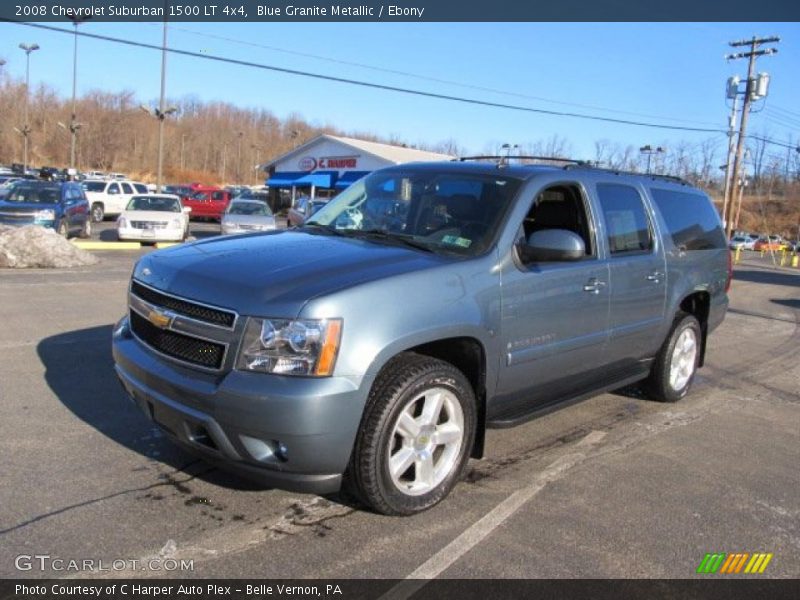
column 655, row 277
column 593, row 285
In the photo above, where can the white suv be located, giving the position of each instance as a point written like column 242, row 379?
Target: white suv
column 108, row 198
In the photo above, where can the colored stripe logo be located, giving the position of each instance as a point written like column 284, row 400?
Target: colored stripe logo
column 734, row 563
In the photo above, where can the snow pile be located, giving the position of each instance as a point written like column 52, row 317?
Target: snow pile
column 35, row 246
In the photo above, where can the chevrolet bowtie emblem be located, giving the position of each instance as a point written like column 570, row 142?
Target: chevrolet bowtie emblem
column 160, row 319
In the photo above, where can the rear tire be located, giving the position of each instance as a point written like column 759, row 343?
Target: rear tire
column 415, row 437
column 676, row 363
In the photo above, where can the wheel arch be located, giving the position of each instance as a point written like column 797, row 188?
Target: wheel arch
column 467, row 352
column 698, row 304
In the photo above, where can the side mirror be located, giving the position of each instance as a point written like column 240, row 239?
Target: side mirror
column 187, row 209
column 552, row 245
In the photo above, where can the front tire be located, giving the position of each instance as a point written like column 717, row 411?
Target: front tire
column 98, row 213
column 677, row 361
column 415, row 437
column 86, row 230
column 63, row 230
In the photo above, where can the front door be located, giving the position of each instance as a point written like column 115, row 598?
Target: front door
column 554, row 315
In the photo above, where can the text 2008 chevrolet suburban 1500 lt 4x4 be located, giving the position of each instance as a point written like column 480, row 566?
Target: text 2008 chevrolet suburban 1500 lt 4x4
column 374, row 344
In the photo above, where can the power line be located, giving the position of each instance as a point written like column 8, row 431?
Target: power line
column 787, row 112
column 378, row 86
column 427, row 77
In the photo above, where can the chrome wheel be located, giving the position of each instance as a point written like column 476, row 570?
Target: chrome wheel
column 426, row 441
column 684, row 356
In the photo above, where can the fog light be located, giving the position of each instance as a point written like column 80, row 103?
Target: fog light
column 282, row 452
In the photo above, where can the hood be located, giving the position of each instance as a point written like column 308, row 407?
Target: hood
column 25, row 207
column 151, row 215
column 274, row 274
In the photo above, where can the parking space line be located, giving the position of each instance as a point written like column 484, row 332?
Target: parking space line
column 479, row 530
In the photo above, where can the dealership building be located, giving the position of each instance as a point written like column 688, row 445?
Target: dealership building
column 328, row 164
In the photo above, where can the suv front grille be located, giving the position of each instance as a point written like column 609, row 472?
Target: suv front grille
column 190, row 309
column 176, row 345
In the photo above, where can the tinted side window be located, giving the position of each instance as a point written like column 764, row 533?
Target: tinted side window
column 627, row 225
column 126, row 188
column 691, row 219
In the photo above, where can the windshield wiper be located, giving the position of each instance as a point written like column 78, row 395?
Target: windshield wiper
column 321, row 228
column 380, row 234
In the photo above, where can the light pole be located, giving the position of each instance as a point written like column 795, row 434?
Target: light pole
column 27, row 48
column 161, row 112
column 649, row 151
column 239, row 135
column 183, row 149
column 74, row 126
column 258, row 160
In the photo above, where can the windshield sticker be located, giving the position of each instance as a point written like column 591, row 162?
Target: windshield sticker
column 454, row 240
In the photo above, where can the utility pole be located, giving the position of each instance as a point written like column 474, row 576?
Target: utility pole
column 733, row 94
column 750, row 94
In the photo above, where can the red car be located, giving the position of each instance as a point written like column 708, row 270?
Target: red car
column 772, row 243
column 207, row 202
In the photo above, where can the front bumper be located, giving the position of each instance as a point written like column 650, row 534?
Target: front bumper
column 150, row 235
column 293, row 433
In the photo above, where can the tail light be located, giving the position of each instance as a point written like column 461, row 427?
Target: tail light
column 730, row 273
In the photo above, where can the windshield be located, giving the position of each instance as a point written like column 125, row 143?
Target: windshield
column 436, row 210
column 94, row 186
column 159, row 203
column 38, row 194
column 249, row 208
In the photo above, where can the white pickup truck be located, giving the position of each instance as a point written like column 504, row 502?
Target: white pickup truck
column 109, row 198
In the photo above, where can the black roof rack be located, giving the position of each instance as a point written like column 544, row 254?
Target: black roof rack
column 504, row 160
column 672, row 178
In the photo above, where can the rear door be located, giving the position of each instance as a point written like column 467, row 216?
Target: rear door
column 218, row 203
column 637, row 268
column 115, row 200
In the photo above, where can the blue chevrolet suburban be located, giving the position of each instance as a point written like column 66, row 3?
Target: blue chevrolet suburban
column 373, row 346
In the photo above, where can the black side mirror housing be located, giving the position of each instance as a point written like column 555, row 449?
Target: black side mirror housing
column 552, row 245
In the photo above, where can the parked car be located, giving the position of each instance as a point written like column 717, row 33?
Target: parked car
column 207, row 202
column 373, row 345
column 244, row 216
column 304, row 208
column 58, row 205
column 108, row 198
column 154, row 218
column 743, row 242
column 772, row 243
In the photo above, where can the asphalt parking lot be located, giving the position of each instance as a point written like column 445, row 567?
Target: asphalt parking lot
column 614, row 487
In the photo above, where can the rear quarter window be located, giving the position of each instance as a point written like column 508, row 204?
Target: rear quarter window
column 691, row 219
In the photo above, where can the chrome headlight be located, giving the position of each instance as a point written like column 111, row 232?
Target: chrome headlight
column 286, row 347
column 47, row 214
column 122, row 222
column 176, row 224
